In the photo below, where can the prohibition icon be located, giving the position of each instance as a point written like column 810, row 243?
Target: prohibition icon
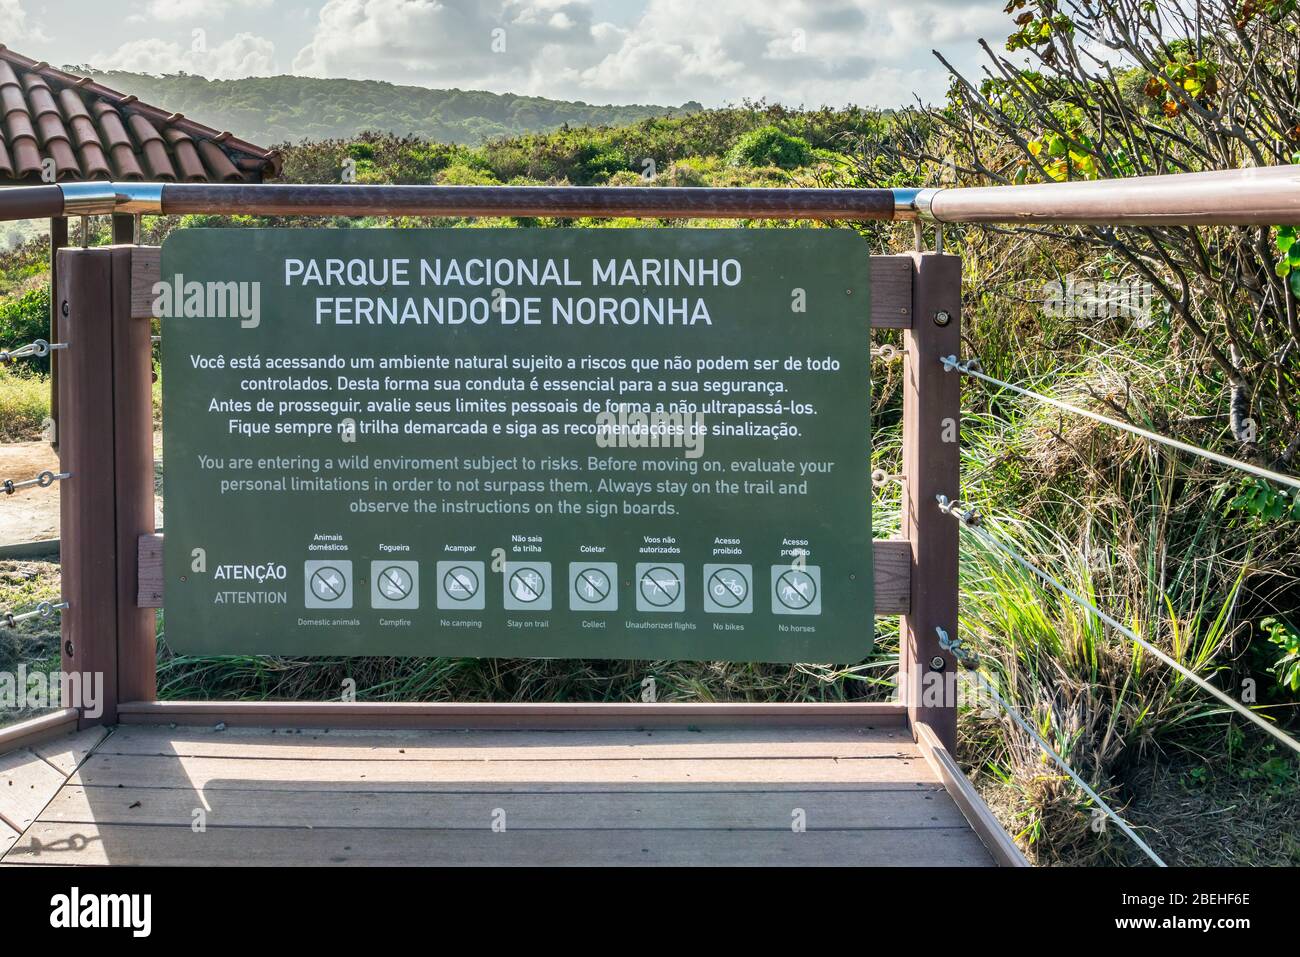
column 660, row 586
column 526, row 585
column 728, row 587
column 460, row 583
column 395, row 583
column 592, row 585
column 796, row 589
column 328, row 583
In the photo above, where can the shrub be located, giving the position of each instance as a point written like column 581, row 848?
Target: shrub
column 24, row 319
column 770, row 146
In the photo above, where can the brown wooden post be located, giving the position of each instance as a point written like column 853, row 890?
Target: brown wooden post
column 134, row 477
column 87, row 527
column 58, row 240
column 123, row 229
column 105, row 393
column 931, row 418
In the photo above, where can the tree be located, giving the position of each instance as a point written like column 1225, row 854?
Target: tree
column 1117, row 88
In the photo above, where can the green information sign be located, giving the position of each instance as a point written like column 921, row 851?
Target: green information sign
column 520, row 442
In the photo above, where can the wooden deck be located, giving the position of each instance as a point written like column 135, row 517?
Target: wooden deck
column 724, row 796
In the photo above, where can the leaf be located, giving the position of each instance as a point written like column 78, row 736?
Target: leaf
column 1295, row 283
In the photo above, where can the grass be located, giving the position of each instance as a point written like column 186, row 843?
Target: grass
column 24, row 406
column 35, row 642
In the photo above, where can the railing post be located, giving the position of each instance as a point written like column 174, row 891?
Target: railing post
column 87, row 528
column 137, row 673
column 106, row 443
column 931, row 419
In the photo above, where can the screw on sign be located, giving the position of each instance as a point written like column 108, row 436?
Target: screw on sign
column 728, row 587
column 593, row 585
column 526, row 585
column 328, row 584
column 460, row 583
column 796, row 589
column 660, row 586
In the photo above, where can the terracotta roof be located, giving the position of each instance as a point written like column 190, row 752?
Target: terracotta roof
column 92, row 132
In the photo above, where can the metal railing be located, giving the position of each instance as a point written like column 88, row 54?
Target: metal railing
column 1247, row 197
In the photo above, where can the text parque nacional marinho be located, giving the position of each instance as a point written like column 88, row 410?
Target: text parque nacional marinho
column 499, row 275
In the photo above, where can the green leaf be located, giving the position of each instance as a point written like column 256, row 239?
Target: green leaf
column 1295, row 283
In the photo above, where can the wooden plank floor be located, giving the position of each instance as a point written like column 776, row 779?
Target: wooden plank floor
column 198, row 796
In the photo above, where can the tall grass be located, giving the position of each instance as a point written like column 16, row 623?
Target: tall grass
column 24, row 405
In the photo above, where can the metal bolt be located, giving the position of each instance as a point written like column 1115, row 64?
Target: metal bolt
column 941, row 318
column 64, row 308
column 936, row 663
column 67, row 647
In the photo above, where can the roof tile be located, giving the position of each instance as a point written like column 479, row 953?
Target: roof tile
column 93, row 132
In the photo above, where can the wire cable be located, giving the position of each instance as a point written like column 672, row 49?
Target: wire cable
column 42, row 610
column 969, row 368
column 970, row 521
column 1061, row 763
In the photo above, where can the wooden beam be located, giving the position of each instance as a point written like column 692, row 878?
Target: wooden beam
column 892, row 559
column 123, row 229
column 87, row 499
column 146, row 269
column 891, row 287
column 58, row 240
column 972, row 806
column 133, row 464
column 24, row 734
column 931, row 419
column 513, row 715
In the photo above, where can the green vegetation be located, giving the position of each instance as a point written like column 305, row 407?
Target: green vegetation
column 1198, row 559
column 290, row 109
column 34, row 644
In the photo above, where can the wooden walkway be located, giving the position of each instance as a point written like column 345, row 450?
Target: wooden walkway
column 726, row 796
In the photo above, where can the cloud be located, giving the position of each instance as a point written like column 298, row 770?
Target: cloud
column 194, row 10
column 449, row 43
column 244, row 54
column 872, row 52
column 17, row 27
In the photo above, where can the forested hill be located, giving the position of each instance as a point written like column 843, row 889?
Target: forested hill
column 279, row 109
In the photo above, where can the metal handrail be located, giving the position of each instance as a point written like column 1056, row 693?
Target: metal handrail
column 1247, row 197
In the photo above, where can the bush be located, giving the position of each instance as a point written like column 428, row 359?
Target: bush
column 769, row 146
column 23, row 320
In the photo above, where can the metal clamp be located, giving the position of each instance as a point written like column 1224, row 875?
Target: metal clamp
column 915, row 204
column 44, row 480
column 42, row 610
column 965, row 657
column 38, row 349
column 887, row 352
column 880, row 478
column 953, row 507
column 952, row 362
column 101, row 199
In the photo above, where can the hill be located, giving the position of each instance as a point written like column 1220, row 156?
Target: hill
column 280, row 109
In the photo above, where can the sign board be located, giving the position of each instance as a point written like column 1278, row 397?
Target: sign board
column 606, row 443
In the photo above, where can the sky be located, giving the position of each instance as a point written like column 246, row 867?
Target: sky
column 795, row 52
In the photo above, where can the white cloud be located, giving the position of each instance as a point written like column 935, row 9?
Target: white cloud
column 195, row 10
column 242, row 55
column 873, row 52
column 452, row 42
column 17, row 27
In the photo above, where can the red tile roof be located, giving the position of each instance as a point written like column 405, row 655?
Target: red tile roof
column 91, row 132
